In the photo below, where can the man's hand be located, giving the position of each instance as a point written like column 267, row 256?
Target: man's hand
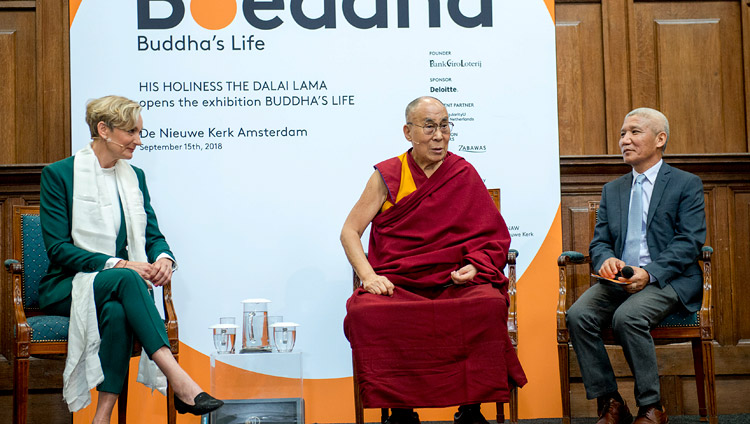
column 464, row 274
column 378, row 285
column 610, row 267
column 638, row 281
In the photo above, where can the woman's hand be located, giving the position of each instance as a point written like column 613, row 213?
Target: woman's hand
column 378, row 285
column 142, row 268
column 161, row 272
column 464, row 274
column 158, row 273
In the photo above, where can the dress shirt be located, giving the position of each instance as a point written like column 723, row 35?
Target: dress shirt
column 648, row 189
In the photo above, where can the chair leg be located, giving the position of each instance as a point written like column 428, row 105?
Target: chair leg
column 708, row 367
column 700, row 378
column 383, row 415
column 563, row 359
column 122, row 402
column 514, row 405
column 171, row 411
column 500, row 417
column 20, row 389
column 359, row 413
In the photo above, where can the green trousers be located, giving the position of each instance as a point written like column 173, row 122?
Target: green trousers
column 125, row 308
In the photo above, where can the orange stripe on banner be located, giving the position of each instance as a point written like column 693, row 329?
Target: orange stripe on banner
column 551, row 7
column 537, row 329
column 73, row 5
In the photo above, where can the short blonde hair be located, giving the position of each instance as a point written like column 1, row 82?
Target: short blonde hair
column 114, row 111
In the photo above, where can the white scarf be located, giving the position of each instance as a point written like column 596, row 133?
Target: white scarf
column 92, row 216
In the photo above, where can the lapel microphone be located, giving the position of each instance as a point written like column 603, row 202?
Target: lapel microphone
column 109, row 140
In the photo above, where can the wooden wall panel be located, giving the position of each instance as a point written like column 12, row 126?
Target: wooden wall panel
column 618, row 55
column 580, row 80
column 46, row 404
column 7, row 96
column 689, row 64
column 746, row 62
column 53, row 80
column 36, row 81
column 691, row 90
column 18, row 28
column 741, row 260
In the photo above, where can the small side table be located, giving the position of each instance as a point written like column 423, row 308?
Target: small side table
column 257, row 388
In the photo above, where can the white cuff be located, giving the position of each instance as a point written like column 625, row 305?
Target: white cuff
column 111, row 262
column 165, row 255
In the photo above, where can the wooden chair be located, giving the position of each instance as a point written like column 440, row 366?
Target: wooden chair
column 39, row 335
column 512, row 332
column 679, row 327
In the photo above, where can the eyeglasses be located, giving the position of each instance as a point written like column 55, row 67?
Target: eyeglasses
column 429, row 129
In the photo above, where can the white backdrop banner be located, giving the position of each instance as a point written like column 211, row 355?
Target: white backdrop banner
column 263, row 120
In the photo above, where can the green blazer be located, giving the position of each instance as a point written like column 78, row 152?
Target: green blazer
column 56, row 213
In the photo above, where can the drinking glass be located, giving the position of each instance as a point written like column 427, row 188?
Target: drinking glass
column 224, row 336
column 273, row 319
column 231, row 331
column 284, row 336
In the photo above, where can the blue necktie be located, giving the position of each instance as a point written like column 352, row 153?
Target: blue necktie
column 632, row 252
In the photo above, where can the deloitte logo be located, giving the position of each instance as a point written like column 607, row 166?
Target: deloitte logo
column 218, row 14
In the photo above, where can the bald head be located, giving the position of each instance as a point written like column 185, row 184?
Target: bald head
column 657, row 122
column 414, row 104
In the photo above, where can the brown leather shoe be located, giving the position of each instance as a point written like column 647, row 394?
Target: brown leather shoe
column 615, row 412
column 652, row 416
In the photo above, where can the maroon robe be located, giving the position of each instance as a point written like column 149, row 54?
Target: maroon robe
column 432, row 343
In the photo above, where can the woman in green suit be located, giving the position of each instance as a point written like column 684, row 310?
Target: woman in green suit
column 105, row 251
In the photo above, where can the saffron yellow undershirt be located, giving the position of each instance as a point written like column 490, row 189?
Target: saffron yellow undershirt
column 406, row 185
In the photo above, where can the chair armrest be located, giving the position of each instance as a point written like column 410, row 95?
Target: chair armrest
column 512, row 314
column 9, row 264
column 571, row 257
column 170, row 318
column 707, row 307
column 567, row 258
column 22, row 329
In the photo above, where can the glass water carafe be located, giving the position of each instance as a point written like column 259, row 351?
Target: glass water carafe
column 255, row 326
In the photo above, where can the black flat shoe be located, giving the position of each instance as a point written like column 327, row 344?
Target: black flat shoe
column 204, row 403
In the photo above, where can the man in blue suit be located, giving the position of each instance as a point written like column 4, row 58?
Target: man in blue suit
column 653, row 220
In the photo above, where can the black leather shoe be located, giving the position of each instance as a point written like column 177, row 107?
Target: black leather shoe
column 204, row 403
column 403, row 418
column 469, row 414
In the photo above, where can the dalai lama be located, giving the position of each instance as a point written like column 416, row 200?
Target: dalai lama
column 428, row 326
